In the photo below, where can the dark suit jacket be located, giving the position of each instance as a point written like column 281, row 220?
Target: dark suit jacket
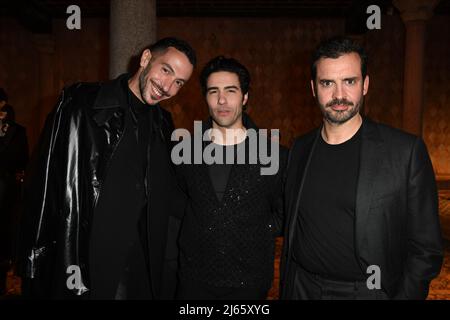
column 397, row 221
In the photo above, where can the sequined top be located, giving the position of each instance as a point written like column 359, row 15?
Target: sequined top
column 230, row 243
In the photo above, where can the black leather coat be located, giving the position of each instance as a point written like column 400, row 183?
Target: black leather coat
column 78, row 141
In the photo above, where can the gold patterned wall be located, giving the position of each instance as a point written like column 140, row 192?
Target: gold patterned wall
column 19, row 69
column 385, row 48
column 64, row 57
column 436, row 126
column 276, row 51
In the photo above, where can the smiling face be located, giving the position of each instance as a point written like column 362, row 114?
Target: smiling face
column 339, row 87
column 163, row 74
column 225, row 99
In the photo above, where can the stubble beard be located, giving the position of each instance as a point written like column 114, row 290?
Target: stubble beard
column 339, row 117
column 143, row 83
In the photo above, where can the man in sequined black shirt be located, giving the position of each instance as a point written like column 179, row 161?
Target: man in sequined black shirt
column 235, row 212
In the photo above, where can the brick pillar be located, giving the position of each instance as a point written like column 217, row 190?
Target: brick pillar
column 132, row 27
column 415, row 14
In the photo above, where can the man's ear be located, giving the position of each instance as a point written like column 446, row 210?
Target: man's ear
column 313, row 89
column 366, row 85
column 244, row 101
column 145, row 58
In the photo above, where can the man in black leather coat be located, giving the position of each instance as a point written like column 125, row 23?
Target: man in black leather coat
column 102, row 194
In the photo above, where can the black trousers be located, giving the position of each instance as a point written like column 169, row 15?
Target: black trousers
column 310, row 286
column 189, row 289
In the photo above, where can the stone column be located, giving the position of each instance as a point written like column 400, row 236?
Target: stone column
column 132, row 28
column 415, row 14
column 45, row 46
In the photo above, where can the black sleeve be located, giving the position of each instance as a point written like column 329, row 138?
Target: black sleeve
column 425, row 247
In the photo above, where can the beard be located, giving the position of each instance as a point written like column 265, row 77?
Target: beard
column 340, row 116
column 143, row 83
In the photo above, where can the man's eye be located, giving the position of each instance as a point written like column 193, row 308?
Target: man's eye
column 179, row 83
column 326, row 83
column 351, row 81
column 165, row 70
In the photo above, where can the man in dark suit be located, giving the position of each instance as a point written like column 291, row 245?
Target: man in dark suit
column 361, row 197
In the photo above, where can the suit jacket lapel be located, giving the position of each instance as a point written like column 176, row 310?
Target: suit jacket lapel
column 370, row 161
column 300, row 172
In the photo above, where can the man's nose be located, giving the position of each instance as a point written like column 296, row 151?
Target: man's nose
column 338, row 92
column 222, row 99
column 166, row 85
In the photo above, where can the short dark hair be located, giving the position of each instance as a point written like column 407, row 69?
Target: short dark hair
column 221, row 63
column 3, row 95
column 181, row 45
column 334, row 48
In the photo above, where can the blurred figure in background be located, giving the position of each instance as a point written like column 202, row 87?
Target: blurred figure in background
column 13, row 159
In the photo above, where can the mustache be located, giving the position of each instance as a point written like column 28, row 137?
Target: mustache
column 342, row 102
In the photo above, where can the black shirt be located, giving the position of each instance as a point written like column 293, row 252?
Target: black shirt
column 142, row 118
column 229, row 243
column 219, row 172
column 325, row 239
